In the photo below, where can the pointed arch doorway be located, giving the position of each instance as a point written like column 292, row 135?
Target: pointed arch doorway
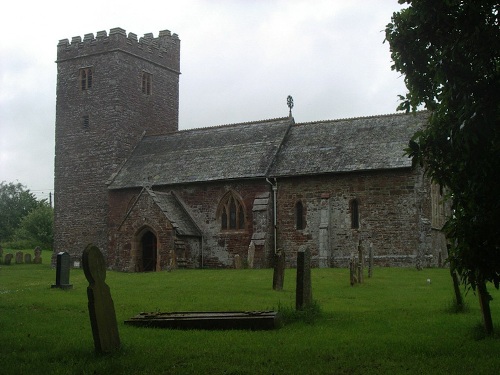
column 149, row 251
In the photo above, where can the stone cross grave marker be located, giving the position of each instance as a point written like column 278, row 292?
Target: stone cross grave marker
column 303, row 291
column 62, row 271
column 279, row 270
column 101, row 307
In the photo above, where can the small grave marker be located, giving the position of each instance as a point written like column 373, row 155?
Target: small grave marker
column 19, row 257
column 251, row 254
column 279, row 270
column 27, row 258
column 101, row 307
column 237, row 262
column 8, row 259
column 303, row 292
column 38, row 255
column 62, row 271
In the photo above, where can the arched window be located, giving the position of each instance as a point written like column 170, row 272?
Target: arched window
column 299, row 216
column 231, row 213
column 354, row 214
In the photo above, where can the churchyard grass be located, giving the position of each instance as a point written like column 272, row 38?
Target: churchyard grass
column 394, row 323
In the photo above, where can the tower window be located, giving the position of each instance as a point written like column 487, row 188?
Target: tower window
column 146, row 83
column 354, row 214
column 231, row 213
column 86, row 76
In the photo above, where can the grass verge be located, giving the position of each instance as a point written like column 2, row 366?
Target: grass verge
column 396, row 322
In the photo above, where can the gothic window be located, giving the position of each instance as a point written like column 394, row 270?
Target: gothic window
column 299, row 216
column 354, row 214
column 231, row 213
column 86, row 78
column 146, row 83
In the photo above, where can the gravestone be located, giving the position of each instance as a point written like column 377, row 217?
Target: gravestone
column 101, row 307
column 237, row 261
column 303, row 291
column 353, row 267
column 1, row 254
column 38, row 255
column 19, row 257
column 27, row 258
column 8, row 259
column 279, row 270
column 361, row 262
column 370, row 260
column 251, row 254
column 62, row 271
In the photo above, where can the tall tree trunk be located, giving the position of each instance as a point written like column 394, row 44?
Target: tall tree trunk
column 484, row 302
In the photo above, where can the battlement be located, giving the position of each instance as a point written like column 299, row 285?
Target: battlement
column 163, row 50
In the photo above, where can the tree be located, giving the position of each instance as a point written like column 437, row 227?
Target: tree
column 36, row 228
column 15, row 202
column 448, row 52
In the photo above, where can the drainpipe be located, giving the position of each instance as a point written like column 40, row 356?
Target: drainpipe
column 275, row 214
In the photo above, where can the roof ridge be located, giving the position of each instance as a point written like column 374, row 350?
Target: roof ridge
column 361, row 117
column 239, row 123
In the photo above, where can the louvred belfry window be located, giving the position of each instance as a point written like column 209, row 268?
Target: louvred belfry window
column 86, row 77
column 146, row 83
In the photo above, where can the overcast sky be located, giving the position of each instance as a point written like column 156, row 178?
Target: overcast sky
column 239, row 62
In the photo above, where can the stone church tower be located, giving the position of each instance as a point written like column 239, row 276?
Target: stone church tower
column 111, row 90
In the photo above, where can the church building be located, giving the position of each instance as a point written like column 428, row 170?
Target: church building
column 153, row 197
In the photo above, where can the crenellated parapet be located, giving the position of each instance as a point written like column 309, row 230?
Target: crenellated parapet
column 163, row 50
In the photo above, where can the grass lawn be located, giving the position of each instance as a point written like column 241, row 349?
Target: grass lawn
column 394, row 323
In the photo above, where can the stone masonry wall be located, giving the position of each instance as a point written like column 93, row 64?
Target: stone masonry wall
column 219, row 247
column 118, row 112
column 394, row 216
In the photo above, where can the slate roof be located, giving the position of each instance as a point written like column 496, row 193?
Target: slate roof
column 175, row 213
column 347, row 145
column 270, row 148
column 207, row 154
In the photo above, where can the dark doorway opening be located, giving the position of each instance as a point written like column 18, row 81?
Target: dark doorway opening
column 149, row 254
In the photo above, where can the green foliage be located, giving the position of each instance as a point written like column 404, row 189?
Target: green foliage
column 449, row 53
column 15, row 203
column 36, row 228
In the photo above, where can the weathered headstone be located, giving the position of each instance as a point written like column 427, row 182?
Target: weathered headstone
column 303, row 291
column 19, row 257
column 27, row 258
column 63, row 266
column 237, row 261
column 1, row 254
column 353, row 266
column 101, row 307
column 361, row 262
column 370, row 260
column 38, row 255
column 279, row 270
column 8, row 259
column 251, row 254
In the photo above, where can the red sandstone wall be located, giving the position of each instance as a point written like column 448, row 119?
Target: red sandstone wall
column 394, row 212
